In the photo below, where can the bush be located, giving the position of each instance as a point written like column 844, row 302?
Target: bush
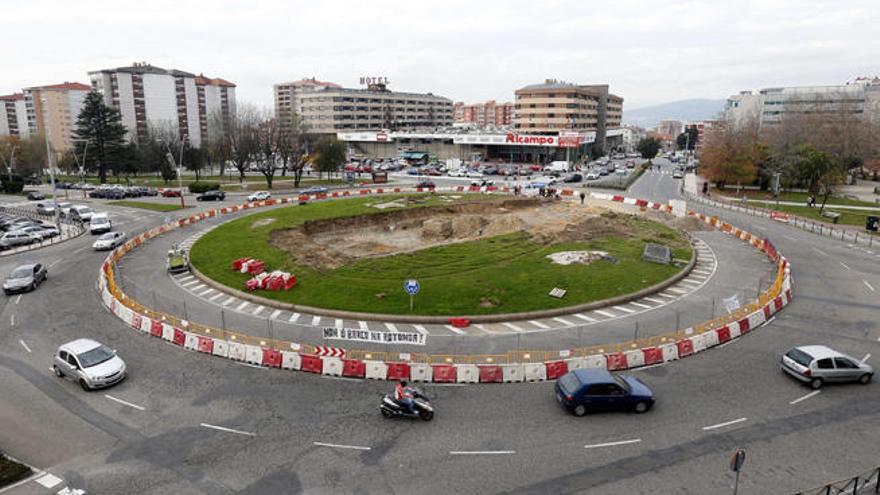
column 13, row 185
column 200, row 187
column 11, row 471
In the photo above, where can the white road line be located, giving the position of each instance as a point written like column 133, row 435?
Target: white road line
column 316, row 320
column 202, row 294
column 215, row 296
column 125, row 403
column 54, row 263
column 869, row 286
column 293, row 318
column 613, row 444
column 790, row 238
column 726, row 423
column 229, row 301
column 391, row 327
column 702, row 272
column 20, row 341
column 242, row 306
column 191, row 282
column 49, row 480
column 363, row 325
column 640, row 305
column 670, row 296
column 564, row 322
column 538, row 324
column 421, row 329
column 584, row 317
column 800, row 399
column 691, row 282
column 198, row 287
column 624, row 309
column 338, row 323
column 339, row 446
column 486, row 330
column 275, row 314
column 606, row 314
column 229, row 430
column 17, row 299
column 512, row 327
column 680, row 291
column 11, row 320
column 844, row 265
column 823, row 253
column 655, row 301
column 454, row 330
column 183, row 279
column 482, row 452
column 867, row 356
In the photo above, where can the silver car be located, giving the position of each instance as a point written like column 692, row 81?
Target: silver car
column 89, row 363
column 817, row 364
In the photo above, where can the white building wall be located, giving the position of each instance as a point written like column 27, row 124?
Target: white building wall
column 21, row 117
column 4, row 122
column 212, row 107
column 192, row 112
column 160, row 101
column 126, row 103
column 230, row 96
column 75, row 100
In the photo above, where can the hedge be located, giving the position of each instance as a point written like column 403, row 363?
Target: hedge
column 200, row 187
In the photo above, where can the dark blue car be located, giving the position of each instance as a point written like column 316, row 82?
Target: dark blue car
column 594, row 390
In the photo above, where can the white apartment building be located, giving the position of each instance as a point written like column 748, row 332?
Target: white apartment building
column 54, row 110
column 770, row 105
column 13, row 115
column 148, row 96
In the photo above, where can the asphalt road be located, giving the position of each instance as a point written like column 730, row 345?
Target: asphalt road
column 301, row 433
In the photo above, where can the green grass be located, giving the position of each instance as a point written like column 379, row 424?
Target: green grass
column 799, row 197
column 147, row 206
column 847, row 217
column 509, row 270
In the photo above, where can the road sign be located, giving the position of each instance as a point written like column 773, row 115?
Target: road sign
column 412, row 286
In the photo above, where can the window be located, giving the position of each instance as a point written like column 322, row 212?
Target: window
column 63, row 355
column 825, row 364
column 72, row 361
column 845, row 364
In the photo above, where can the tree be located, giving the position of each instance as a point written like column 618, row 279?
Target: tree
column 102, row 127
column 687, row 139
column 194, row 159
column 294, row 144
column 732, row 154
column 242, row 139
column 329, row 155
column 268, row 136
column 649, row 147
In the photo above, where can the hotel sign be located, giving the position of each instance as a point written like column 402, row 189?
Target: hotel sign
column 370, row 80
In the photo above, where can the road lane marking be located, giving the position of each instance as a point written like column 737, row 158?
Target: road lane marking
column 54, row 263
column 229, row 301
column 17, row 299
column 692, row 282
column 21, row 341
column 363, row 325
column 391, row 327
column 640, row 305
column 613, row 444
column 482, row 452
column 258, row 310
column 867, row 356
column 454, row 330
column 869, row 286
column 823, row 253
column 241, row 306
column 584, row 317
column 125, row 403
column 726, row 423
column 293, row 318
column 564, row 322
column 49, row 480
column 512, row 327
column 790, row 238
column 228, row 430
column 191, row 282
column 338, row 323
column 800, row 399
column 198, row 287
column 215, row 296
column 680, row 291
column 606, row 314
column 670, row 296
column 538, row 324
column 655, row 301
column 203, row 294
column 340, row 446
column 844, row 265
column 702, row 272
column 11, row 320
column 275, row 314
column 624, row 309
column 316, row 320
column 421, row 329
column 183, row 279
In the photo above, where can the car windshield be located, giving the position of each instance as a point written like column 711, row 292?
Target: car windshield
column 569, row 383
column 84, row 209
column 22, row 272
column 620, row 381
column 94, row 357
column 99, row 220
column 107, row 237
column 800, row 357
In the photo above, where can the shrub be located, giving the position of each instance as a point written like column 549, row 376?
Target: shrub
column 13, row 185
column 200, row 187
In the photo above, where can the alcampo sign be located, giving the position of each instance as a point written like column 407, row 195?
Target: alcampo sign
column 537, row 140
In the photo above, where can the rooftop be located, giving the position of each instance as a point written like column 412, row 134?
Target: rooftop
column 65, row 86
column 145, row 68
column 12, row 97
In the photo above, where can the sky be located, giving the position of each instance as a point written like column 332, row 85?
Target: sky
column 648, row 52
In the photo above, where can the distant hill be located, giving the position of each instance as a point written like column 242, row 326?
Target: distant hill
column 684, row 110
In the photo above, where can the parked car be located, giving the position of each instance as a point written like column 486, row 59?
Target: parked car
column 110, row 240
column 35, row 196
column 25, row 278
column 80, row 213
column 260, row 196
column 214, row 196
column 64, row 208
column 314, row 190
column 171, row 193
column 593, row 175
column 574, row 178
column 677, row 173
column 817, row 364
column 426, row 184
column 593, row 390
column 413, row 171
column 14, row 239
column 100, row 223
column 38, row 232
column 45, row 209
column 89, row 363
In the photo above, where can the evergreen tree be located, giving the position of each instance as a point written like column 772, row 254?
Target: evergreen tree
column 102, row 127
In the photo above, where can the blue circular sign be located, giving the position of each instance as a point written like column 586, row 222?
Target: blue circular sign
column 412, row 286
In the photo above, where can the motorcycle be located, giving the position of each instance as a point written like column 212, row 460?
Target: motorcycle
column 390, row 408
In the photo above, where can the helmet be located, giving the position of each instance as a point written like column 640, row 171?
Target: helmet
column 403, row 382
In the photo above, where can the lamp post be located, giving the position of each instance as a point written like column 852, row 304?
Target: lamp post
column 82, row 165
column 178, row 165
column 52, row 179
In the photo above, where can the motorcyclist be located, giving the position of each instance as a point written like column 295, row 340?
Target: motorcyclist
column 404, row 395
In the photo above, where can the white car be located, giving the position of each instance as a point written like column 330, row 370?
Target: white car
column 459, row 172
column 45, row 209
column 474, row 174
column 547, row 179
column 90, row 363
column 64, row 208
column 260, row 196
column 110, row 240
column 592, row 175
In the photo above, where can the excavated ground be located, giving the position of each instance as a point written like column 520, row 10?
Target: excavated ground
column 330, row 243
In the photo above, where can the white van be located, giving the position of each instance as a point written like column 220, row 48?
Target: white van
column 558, row 167
column 80, row 213
column 100, row 223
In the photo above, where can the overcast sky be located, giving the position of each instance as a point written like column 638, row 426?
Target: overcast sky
column 649, row 52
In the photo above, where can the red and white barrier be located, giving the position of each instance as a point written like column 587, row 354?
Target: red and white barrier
column 511, row 373
column 467, row 373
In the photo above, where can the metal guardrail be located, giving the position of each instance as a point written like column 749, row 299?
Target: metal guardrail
column 862, row 484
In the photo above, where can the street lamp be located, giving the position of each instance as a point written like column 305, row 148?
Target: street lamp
column 178, row 165
column 81, row 165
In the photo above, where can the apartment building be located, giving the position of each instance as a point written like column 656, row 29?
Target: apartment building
column 194, row 106
column 287, row 97
column 54, row 109
column 13, row 115
column 554, row 106
column 670, row 127
column 488, row 114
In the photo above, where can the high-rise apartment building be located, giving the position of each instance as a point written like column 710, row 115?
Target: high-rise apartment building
column 13, row 115
column 329, row 108
column 195, row 107
column 486, row 114
column 53, row 110
column 554, row 106
column 670, row 128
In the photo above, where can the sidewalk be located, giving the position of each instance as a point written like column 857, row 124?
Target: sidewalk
column 769, row 202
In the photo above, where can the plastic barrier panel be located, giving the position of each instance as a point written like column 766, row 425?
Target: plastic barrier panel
column 723, row 334
column 685, row 348
column 555, row 369
column 290, row 360
column 205, row 344
column 576, row 363
column 491, row 374
column 397, row 371
column 733, row 328
column 332, row 366
column 312, row 364
column 191, row 341
column 467, row 373
column 652, row 355
column 253, row 354
column 710, row 339
column 237, row 351
column 179, row 337
column 375, row 370
column 635, row 358
column 444, row 373
column 534, row 372
column 272, row 358
column 699, row 343
column 756, row 319
column 354, row 368
column 670, row 352
column 616, row 361
column 768, row 311
column 136, row 321
column 421, row 372
column 511, row 373
column 777, row 304
column 156, row 328
column 221, row 348
column 744, row 326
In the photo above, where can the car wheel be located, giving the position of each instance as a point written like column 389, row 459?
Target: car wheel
column 84, row 385
column 642, row 407
column 865, row 379
column 57, row 371
column 816, row 383
column 580, row 410
column 34, row 285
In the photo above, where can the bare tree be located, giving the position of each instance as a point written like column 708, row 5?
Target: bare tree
column 268, row 138
column 242, row 138
column 294, row 144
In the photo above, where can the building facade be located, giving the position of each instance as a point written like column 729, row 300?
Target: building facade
column 288, row 103
column 769, row 106
column 195, row 107
column 13, row 116
column 53, row 110
column 488, row 114
column 670, row 127
column 555, row 106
